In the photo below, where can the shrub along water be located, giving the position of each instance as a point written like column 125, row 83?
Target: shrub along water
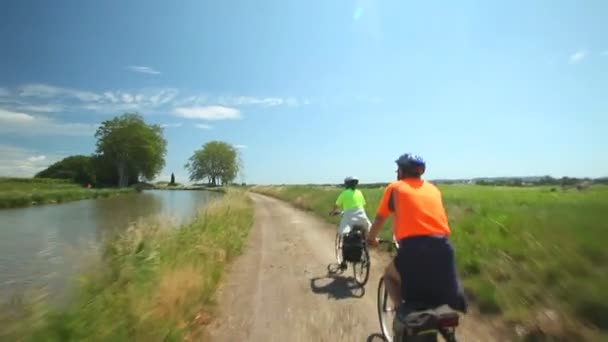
column 534, row 255
column 154, row 283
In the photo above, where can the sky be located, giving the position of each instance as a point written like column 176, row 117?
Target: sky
column 314, row 91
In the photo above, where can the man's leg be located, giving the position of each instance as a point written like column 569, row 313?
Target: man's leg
column 392, row 279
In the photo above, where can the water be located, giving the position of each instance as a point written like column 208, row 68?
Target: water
column 45, row 246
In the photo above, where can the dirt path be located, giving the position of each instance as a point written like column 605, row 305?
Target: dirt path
column 280, row 290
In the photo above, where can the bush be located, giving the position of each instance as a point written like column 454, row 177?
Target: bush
column 78, row 169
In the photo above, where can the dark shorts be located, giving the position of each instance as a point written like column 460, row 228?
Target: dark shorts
column 428, row 272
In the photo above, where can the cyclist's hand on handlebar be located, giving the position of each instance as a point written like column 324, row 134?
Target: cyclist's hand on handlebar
column 372, row 242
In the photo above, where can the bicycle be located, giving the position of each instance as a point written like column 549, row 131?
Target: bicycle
column 357, row 253
column 414, row 323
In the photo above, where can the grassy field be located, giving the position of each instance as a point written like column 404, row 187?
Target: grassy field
column 21, row 192
column 536, row 256
column 154, row 283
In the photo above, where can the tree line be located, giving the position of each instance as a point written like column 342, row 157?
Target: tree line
column 128, row 151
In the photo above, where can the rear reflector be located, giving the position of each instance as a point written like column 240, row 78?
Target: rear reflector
column 448, row 322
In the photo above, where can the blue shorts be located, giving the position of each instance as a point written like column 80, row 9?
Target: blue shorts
column 428, row 272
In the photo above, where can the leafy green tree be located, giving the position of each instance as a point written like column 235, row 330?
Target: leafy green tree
column 217, row 161
column 172, row 179
column 131, row 147
column 106, row 173
column 78, row 169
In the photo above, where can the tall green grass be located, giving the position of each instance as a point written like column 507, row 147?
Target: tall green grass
column 21, row 192
column 153, row 283
column 526, row 253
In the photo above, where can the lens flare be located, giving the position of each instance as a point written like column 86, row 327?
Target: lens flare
column 358, row 13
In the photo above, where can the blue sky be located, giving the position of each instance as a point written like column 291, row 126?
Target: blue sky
column 312, row 91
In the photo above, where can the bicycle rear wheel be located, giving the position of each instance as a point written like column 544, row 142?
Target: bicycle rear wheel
column 386, row 311
column 339, row 248
column 361, row 268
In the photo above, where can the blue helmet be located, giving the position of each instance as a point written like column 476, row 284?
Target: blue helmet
column 411, row 162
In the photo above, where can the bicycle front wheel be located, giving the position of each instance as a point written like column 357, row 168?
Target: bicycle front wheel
column 386, row 311
column 361, row 268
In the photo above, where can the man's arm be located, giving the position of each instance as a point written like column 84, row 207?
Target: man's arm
column 385, row 208
column 375, row 229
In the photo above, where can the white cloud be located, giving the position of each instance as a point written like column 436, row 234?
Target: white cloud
column 127, row 98
column 203, row 126
column 143, row 69
column 162, row 97
column 248, row 100
column 25, row 124
column 35, row 98
column 48, row 91
column 44, row 98
column 144, row 100
column 110, row 96
column 238, row 101
column 9, row 117
column 20, row 162
column 578, row 56
column 208, row 113
column 241, row 146
column 198, row 100
column 171, row 125
column 40, row 108
column 34, row 159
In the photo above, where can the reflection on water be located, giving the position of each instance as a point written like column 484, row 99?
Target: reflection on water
column 44, row 246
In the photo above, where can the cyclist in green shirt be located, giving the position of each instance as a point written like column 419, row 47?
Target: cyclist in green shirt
column 352, row 202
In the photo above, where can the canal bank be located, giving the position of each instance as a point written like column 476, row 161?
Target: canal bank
column 153, row 282
column 45, row 246
column 25, row 192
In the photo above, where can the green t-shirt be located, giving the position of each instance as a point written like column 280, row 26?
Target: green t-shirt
column 350, row 199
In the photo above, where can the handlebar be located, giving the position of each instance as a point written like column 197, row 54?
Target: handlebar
column 388, row 242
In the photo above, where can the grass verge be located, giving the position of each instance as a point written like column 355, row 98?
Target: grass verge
column 153, row 283
column 535, row 256
column 22, row 192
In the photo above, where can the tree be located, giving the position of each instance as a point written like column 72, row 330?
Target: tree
column 106, row 173
column 131, row 147
column 172, row 179
column 217, row 161
column 79, row 169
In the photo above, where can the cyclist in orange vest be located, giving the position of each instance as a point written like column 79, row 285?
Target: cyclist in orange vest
column 424, row 271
